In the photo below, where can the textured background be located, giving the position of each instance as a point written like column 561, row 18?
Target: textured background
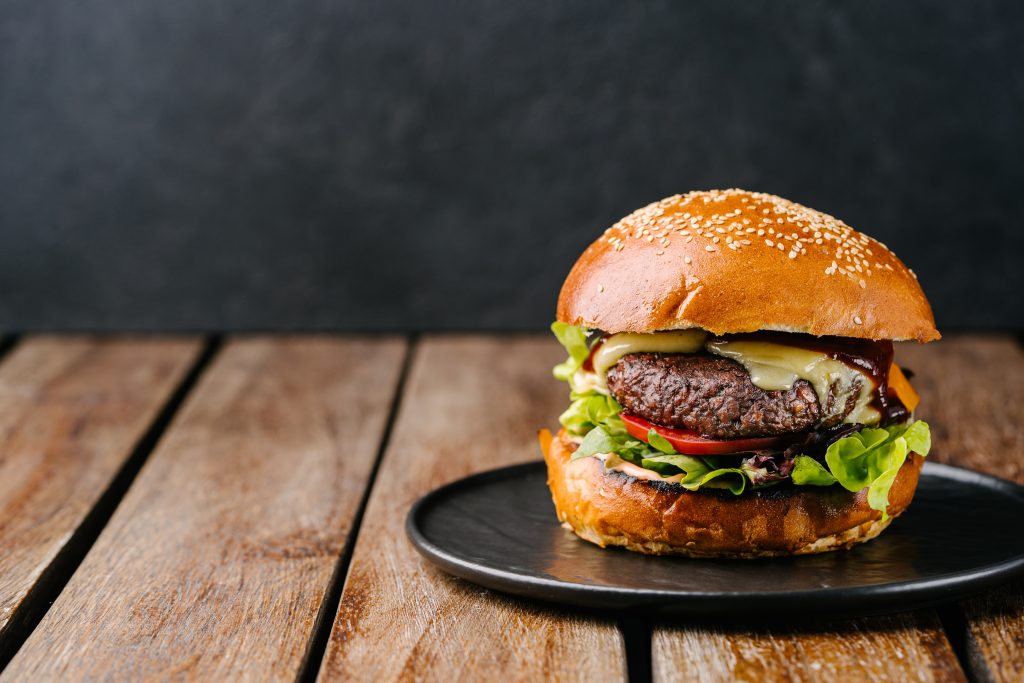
column 408, row 164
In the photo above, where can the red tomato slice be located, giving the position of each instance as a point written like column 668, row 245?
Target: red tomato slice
column 691, row 443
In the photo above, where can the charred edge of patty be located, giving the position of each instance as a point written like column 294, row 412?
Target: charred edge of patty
column 715, row 397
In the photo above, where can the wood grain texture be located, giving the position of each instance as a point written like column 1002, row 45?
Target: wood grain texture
column 71, row 411
column 995, row 634
column 471, row 403
column 900, row 648
column 215, row 564
column 973, row 426
column 972, row 395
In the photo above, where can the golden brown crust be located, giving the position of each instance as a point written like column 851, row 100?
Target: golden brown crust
column 737, row 261
column 612, row 508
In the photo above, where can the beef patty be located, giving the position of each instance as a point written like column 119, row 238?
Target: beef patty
column 715, row 397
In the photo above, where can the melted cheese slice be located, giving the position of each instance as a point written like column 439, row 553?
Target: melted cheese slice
column 772, row 367
column 619, row 345
column 624, row 343
column 776, row 367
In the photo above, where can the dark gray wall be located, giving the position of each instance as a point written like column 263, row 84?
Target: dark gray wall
column 439, row 164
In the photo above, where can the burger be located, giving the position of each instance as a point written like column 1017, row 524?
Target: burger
column 733, row 390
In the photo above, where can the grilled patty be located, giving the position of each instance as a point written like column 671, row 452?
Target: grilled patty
column 715, row 397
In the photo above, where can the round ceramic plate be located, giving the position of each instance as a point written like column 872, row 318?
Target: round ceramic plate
column 498, row 529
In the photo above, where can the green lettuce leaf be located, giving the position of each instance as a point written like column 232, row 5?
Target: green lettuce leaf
column 868, row 459
column 871, row 458
column 591, row 410
column 808, row 471
column 918, row 437
column 596, row 441
column 697, row 472
column 574, row 339
column 659, row 442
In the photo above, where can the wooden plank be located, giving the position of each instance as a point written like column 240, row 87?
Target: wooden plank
column 215, row 564
column 908, row 647
column 972, row 395
column 472, row 403
column 972, row 390
column 995, row 634
column 902, row 647
column 71, row 411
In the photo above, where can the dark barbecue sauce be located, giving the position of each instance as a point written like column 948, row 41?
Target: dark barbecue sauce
column 588, row 364
column 873, row 358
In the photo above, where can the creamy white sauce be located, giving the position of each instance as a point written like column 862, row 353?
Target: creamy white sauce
column 614, row 462
column 777, row 367
column 583, row 381
column 772, row 367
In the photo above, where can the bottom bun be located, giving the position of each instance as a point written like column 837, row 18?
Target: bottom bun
column 609, row 507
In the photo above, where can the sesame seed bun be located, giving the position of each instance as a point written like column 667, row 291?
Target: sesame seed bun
column 610, row 508
column 736, row 261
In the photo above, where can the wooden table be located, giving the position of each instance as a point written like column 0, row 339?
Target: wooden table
column 223, row 509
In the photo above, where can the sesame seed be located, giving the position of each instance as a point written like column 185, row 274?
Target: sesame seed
column 769, row 243
column 735, row 213
column 709, row 248
column 600, row 288
column 857, row 320
column 687, row 259
column 863, row 285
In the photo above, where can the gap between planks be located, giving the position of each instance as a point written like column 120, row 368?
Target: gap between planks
column 55, row 577
column 310, row 667
column 220, row 555
column 472, row 402
column 973, row 387
column 966, row 383
column 633, row 632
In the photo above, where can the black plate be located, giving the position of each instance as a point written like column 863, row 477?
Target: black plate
column 498, row 529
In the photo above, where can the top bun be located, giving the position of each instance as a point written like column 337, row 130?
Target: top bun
column 731, row 261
